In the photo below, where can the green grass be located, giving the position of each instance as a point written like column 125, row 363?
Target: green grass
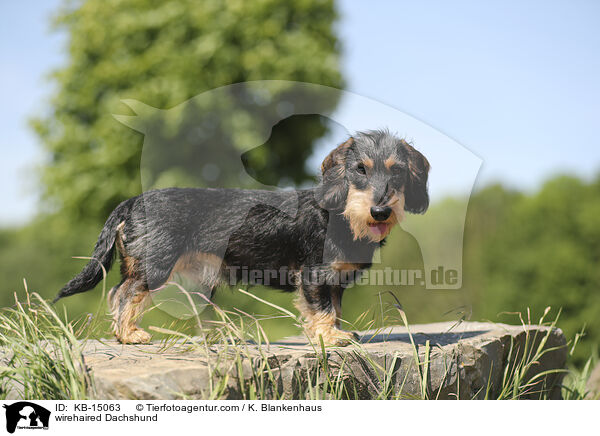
column 42, row 357
column 41, row 354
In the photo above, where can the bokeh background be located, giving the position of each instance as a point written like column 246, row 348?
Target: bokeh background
column 515, row 83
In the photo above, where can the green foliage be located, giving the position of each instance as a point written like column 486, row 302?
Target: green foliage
column 546, row 252
column 41, row 253
column 162, row 54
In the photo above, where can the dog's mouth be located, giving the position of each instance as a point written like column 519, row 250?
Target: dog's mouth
column 379, row 229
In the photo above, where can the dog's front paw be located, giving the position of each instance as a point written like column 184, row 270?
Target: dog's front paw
column 335, row 337
column 137, row 336
column 344, row 338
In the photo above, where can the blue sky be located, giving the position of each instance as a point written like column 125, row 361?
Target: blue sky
column 29, row 51
column 517, row 83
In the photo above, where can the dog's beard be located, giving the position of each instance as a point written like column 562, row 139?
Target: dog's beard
column 358, row 214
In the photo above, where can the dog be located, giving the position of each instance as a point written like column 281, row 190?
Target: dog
column 367, row 183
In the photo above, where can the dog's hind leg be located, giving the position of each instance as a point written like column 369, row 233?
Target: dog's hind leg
column 127, row 302
column 128, row 299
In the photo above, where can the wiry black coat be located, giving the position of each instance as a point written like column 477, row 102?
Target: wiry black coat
column 243, row 227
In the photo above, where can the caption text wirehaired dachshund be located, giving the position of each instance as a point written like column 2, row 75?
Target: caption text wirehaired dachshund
column 367, row 184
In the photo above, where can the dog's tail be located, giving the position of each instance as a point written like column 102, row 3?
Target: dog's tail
column 102, row 257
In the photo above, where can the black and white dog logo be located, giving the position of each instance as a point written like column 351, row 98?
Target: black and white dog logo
column 26, row 415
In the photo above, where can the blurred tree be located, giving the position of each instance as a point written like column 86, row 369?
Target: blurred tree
column 163, row 53
column 546, row 252
column 488, row 210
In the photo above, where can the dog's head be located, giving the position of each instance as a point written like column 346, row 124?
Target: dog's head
column 372, row 178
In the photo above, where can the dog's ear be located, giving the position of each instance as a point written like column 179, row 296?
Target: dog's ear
column 416, row 197
column 331, row 193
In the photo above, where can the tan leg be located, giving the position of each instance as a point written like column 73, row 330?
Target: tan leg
column 324, row 323
column 127, row 303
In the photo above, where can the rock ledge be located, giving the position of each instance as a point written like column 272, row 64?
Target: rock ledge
column 465, row 360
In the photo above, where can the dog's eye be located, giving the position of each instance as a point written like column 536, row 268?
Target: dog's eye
column 360, row 168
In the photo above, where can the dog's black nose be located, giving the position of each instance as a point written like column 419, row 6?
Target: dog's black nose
column 381, row 213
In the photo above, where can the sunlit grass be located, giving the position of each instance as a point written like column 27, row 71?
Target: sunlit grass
column 41, row 355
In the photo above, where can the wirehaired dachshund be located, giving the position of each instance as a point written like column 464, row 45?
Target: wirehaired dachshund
column 215, row 236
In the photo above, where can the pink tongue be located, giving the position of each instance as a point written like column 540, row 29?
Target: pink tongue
column 379, row 228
